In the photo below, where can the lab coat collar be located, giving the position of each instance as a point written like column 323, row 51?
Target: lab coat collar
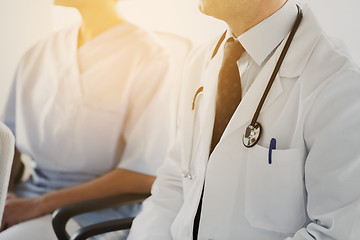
column 302, row 46
column 207, row 113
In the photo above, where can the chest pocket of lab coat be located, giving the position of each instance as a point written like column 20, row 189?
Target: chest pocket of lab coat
column 275, row 193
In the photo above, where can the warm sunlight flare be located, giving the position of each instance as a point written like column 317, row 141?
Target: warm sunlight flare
column 181, row 17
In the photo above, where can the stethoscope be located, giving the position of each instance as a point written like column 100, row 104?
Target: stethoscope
column 253, row 131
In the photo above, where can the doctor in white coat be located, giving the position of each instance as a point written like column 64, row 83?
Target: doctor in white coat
column 309, row 188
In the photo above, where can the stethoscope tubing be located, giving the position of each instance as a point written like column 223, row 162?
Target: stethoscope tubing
column 278, row 65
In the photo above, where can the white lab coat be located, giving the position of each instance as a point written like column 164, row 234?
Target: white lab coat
column 310, row 191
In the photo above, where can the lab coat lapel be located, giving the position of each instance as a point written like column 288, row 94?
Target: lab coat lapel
column 293, row 65
column 302, row 46
column 199, row 77
column 190, row 131
column 207, row 112
column 247, row 107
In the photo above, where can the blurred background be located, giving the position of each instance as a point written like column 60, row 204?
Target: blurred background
column 24, row 22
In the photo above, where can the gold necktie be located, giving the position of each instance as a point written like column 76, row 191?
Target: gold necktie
column 229, row 89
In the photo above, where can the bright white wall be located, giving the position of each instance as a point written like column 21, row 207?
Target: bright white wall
column 22, row 23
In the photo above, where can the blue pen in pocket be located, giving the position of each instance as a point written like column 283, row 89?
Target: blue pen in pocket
column 271, row 147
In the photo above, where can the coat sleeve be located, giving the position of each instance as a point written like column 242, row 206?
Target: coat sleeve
column 160, row 210
column 332, row 168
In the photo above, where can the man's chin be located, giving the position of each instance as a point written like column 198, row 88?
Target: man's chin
column 202, row 9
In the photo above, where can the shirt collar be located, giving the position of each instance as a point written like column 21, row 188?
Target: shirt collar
column 260, row 40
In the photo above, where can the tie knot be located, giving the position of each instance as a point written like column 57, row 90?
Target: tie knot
column 233, row 50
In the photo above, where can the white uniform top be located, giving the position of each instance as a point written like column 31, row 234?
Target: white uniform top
column 80, row 112
column 311, row 188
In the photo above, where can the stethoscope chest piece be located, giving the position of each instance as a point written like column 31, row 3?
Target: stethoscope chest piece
column 252, row 135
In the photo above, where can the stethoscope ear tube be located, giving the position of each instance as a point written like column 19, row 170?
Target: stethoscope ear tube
column 253, row 131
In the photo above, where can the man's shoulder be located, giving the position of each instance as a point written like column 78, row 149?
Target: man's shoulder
column 329, row 66
column 329, row 51
column 319, row 58
column 330, row 58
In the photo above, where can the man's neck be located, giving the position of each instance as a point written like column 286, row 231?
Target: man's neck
column 96, row 20
column 248, row 18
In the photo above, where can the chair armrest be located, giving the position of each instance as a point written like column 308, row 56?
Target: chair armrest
column 103, row 227
column 62, row 215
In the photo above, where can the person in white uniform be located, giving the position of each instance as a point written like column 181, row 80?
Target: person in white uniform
column 307, row 187
column 84, row 107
